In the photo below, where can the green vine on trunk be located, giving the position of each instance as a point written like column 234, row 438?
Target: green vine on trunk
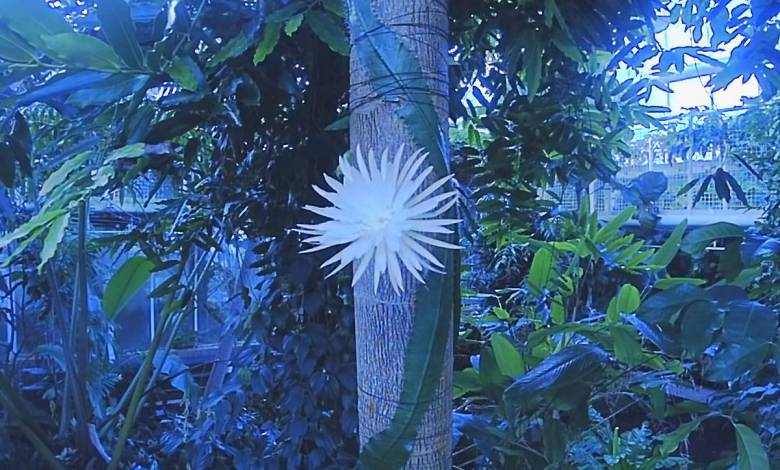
column 395, row 71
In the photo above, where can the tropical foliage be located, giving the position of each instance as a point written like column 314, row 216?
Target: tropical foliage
column 583, row 343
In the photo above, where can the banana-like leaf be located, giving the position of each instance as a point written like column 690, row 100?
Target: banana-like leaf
column 574, row 364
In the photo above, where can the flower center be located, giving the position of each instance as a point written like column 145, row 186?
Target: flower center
column 380, row 220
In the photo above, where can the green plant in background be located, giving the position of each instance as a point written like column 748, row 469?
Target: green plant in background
column 561, row 350
column 592, row 345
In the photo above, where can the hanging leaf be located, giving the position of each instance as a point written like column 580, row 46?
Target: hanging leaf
column 721, row 186
column 186, row 72
column 125, row 283
column 60, row 174
column 7, row 165
column 688, row 186
column 271, row 35
column 53, row 238
column 37, row 223
column 117, row 24
column 292, row 25
column 751, row 454
column 702, row 190
column 329, row 29
column 738, row 191
column 647, row 187
column 532, row 65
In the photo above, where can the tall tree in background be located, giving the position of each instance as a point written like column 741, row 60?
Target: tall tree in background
column 398, row 95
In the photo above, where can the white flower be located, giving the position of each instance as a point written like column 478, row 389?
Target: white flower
column 379, row 214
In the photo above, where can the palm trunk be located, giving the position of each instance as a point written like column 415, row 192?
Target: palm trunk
column 383, row 320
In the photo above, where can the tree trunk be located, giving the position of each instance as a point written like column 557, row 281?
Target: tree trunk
column 383, row 321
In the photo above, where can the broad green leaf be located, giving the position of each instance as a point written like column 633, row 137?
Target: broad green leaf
column 660, row 307
column 541, row 271
column 697, row 240
column 751, row 454
column 53, row 238
column 82, row 51
column 628, row 299
column 671, row 441
column 699, row 322
column 609, row 229
column 509, row 360
column 267, row 43
column 60, row 174
column 489, row 372
column 532, row 65
column 185, row 71
column 108, row 90
column 500, row 313
column 557, row 310
column 334, row 6
column 554, row 435
column 749, row 322
column 465, row 381
column 13, row 48
column 329, row 29
column 234, row 48
column 670, row 282
column 625, row 345
column 117, row 24
column 613, row 314
column 125, row 283
column 670, row 247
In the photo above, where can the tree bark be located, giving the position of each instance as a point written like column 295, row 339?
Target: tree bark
column 383, row 320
